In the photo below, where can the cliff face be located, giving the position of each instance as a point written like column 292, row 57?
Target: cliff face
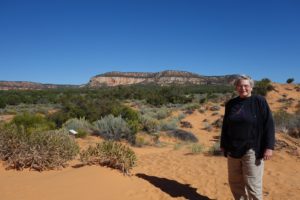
column 161, row 78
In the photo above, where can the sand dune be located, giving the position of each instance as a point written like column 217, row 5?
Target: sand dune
column 161, row 173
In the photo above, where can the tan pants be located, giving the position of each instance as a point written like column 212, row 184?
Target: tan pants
column 245, row 176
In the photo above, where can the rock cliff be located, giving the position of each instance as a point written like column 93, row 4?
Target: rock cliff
column 161, row 78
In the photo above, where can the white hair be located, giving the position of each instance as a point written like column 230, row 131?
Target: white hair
column 244, row 77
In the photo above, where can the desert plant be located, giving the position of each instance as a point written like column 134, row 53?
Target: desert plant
column 149, row 124
column 287, row 123
column 197, row 148
column 157, row 113
column 191, row 106
column 32, row 122
column 290, row 80
column 78, row 124
column 181, row 116
column 263, row 86
column 81, row 133
column 39, row 150
column 111, row 154
column 170, row 124
column 183, row 135
column 113, row 128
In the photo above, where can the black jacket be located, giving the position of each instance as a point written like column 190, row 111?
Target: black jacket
column 263, row 130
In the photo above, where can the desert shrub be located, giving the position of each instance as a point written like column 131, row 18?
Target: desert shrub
column 39, row 150
column 183, row 135
column 181, row 116
column 215, row 150
column 78, row 124
column 111, row 154
column 191, row 106
column 127, row 113
column 81, row 133
column 287, row 123
column 30, row 108
column 149, row 124
column 197, row 148
column 157, row 113
column 140, row 141
column 170, row 124
column 290, row 80
column 32, row 122
column 263, row 86
column 114, row 128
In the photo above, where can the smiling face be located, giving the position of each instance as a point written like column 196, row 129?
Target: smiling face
column 244, row 88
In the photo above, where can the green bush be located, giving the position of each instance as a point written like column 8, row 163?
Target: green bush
column 111, row 154
column 39, row 150
column 114, row 128
column 149, row 124
column 32, row 122
column 290, row 80
column 262, row 87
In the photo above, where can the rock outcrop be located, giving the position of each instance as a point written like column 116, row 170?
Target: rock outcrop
column 160, row 78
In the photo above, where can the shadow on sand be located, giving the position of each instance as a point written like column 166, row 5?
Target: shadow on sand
column 173, row 188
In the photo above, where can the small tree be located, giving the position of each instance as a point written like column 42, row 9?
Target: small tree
column 290, row 80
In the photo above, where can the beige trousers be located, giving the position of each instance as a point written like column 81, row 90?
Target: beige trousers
column 245, row 176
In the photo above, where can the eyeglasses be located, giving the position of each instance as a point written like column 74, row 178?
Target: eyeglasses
column 245, row 86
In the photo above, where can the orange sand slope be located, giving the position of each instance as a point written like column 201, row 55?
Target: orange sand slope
column 162, row 173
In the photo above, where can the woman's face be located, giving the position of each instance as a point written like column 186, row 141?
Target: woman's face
column 244, row 88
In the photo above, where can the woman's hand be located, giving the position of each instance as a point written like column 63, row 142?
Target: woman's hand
column 268, row 154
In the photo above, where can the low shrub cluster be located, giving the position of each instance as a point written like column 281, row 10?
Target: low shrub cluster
column 111, row 154
column 183, row 135
column 287, row 123
column 39, row 150
column 32, row 122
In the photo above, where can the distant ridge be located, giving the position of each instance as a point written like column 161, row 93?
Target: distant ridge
column 26, row 85
column 114, row 78
column 166, row 77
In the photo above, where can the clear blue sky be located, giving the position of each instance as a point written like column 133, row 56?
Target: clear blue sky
column 68, row 42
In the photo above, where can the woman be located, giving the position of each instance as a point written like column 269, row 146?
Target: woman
column 247, row 139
